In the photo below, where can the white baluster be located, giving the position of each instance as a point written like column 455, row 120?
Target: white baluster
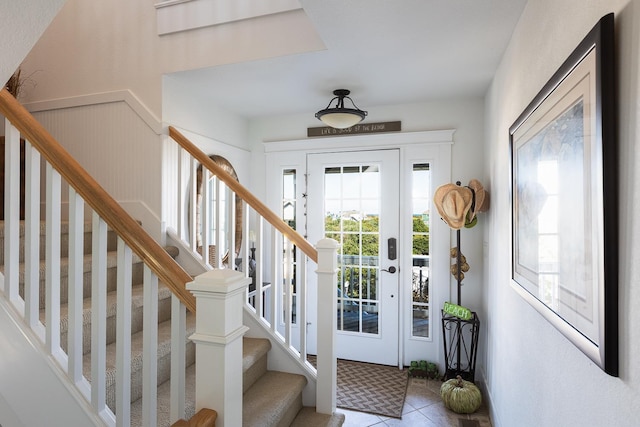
column 12, row 215
column 218, row 237
column 98, row 314
column 52, row 257
column 182, row 195
column 301, row 303
column 276, row 282
column 150, row 349
column 32, row 240
column 75, row 299
column 193, row 225
column 231, row 226
column 205, row 217
column 178, row 359
column 260, row 310
column 287, row 277
column 123, row 337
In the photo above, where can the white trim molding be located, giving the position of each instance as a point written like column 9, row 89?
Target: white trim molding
column 182, row 15
column 375, row 141
column 124, row 95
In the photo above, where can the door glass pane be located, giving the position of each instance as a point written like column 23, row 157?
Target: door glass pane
column 421, row 199
column 352, row 211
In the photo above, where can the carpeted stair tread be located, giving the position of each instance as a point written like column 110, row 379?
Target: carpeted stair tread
column 64, row 228
column 164, row 350
column 164, row 401
column 64, row 238
column 137, row 301
column 111, row 262
column 308, row 417
column 274, row 396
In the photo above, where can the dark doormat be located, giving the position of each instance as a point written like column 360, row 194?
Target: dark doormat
column 367, row 387
column 468, row 423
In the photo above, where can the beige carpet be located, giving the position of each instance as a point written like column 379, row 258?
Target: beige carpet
column 366, row 387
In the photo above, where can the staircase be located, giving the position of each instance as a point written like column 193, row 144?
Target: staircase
column 101, row 291
column 270, row 398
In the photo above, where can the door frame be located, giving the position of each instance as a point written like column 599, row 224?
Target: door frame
column 424, row 146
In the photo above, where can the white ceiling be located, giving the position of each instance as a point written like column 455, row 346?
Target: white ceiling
column 387, row 52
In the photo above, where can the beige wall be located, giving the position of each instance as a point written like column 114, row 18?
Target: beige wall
column 103, row 46
column 534, row 375
column 98, row 56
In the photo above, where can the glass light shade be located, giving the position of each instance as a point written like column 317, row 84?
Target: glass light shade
column 340, row 119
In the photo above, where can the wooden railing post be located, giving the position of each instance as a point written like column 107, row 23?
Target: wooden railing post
column 218, row 337
column 327, row 308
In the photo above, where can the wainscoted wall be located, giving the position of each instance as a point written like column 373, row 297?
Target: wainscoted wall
column 115, row 138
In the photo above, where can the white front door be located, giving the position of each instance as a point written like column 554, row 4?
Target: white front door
column 354, row 198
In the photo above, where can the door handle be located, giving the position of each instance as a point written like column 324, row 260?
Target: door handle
column 391, row 269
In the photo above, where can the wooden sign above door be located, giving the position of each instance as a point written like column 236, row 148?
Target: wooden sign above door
column 355, row 130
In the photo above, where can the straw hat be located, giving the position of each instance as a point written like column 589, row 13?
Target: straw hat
column 479, row 202
column 453, row 202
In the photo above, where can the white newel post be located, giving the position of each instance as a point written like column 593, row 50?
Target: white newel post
column 218, row 338
column 327, row 324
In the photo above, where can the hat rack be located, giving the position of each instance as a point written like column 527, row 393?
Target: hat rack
column 462, row 334
column 459, row 254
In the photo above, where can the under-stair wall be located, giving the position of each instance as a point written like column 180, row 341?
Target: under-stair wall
column 21, row 363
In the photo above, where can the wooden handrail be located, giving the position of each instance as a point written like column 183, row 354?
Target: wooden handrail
column 246, row 195
column 204, row 418
column 153, row 255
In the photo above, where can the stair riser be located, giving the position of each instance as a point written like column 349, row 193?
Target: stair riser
column 112, row 244
column 292, row 411
column 164, row 313
column 111, row 279
column 164, row 373
column 251, row 375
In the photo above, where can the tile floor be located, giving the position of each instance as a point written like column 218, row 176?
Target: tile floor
column 422, row 407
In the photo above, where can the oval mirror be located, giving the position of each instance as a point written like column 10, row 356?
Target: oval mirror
column 227, row 167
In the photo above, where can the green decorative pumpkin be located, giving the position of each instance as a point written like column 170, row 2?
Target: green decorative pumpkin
column 461, row 396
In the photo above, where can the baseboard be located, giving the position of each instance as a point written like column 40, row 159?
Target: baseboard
column 150, row 221
column 486, row 395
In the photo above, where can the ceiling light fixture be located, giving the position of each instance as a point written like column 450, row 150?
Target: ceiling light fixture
column 340, row 117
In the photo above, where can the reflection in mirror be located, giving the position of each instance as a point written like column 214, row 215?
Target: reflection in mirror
column 227, row 167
